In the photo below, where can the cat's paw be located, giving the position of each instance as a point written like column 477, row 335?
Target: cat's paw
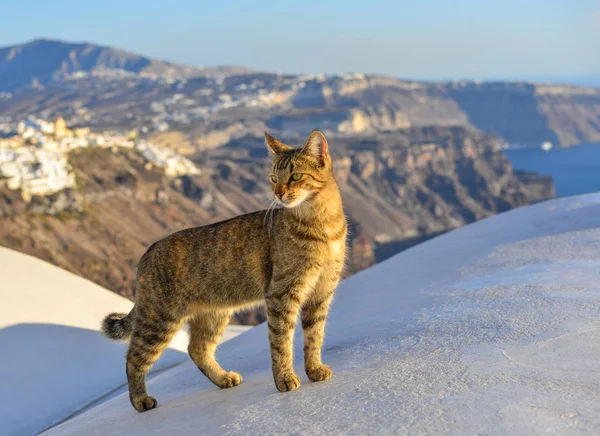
column 319, row 373
column 143, row 404
column 229, row 380
column 287, row 382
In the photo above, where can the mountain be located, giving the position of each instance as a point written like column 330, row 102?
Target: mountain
column 193, row 108
column 43, row 61
column 491, row 329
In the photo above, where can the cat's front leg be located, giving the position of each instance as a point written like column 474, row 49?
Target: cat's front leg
column 314, row 317
column 283, row 303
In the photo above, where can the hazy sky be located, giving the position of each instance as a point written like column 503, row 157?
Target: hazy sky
column 426, row 39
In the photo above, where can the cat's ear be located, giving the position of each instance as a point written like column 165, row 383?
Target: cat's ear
column 275, row 145
column 317, row 146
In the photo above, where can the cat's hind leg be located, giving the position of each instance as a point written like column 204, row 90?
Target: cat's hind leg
column 149, row 339
column 206, row 330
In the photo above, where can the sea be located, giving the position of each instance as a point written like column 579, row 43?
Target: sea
column 575, row 170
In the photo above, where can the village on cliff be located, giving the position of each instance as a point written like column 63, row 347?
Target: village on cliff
column 34, row 155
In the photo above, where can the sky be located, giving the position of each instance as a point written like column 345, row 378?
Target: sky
column 426, row 39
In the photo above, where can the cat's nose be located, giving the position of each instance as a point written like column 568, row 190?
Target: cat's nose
column 280, row 191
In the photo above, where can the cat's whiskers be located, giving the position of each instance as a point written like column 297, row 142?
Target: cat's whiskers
column 299, row 216
column 272, row 214
column 311, row 205
column 267, row 212
column 268, row 220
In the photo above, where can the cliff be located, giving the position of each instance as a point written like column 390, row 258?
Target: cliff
column 529, row 113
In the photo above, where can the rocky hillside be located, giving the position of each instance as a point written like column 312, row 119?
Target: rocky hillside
column 396, row 187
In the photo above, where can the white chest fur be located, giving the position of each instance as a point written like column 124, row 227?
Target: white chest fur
column 337, row 249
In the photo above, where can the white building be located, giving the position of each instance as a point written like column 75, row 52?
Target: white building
column 173, row 163
column 36, row 171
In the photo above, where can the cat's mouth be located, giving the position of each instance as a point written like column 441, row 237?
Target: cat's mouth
column 289, row 203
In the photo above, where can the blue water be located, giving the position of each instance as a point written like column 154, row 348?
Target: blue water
column 575, row 170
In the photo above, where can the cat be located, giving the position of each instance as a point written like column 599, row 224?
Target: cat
column 291, row 257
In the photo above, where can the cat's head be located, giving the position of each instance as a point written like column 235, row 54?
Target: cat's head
column 297, row 174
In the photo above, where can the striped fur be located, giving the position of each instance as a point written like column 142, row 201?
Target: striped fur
column 117, row 326
column 290, row 258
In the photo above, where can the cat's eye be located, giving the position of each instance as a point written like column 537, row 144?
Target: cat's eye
column 296, row 176
column 274, row 179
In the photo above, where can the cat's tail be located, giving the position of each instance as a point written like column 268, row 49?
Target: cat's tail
column 118, row 326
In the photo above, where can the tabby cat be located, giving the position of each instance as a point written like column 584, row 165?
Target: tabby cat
column 290, row 257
